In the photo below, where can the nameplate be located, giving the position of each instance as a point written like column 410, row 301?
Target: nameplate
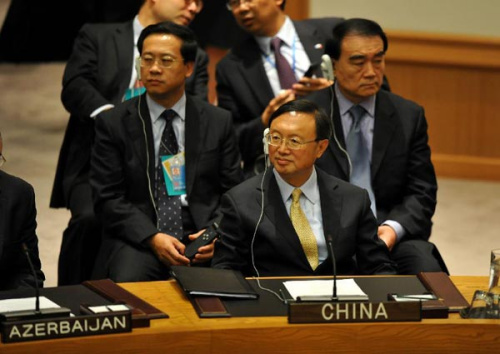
column 337, row 312
column 51, row 328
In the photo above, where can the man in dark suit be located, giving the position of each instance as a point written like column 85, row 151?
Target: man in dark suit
column 100, row 74
column 399, row 174
column 17, row 227
column 126, row 174
column 262, row 230
column 247, row 77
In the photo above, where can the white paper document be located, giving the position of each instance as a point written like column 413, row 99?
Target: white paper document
column 27, row 303
column 306, row 288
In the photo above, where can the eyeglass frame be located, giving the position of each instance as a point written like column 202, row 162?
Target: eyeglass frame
column 157, row 61
column 2, row 160
column 237, row 3
column 287, row 142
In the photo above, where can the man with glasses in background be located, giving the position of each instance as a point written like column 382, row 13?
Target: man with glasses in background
column 266, row 69
column 160, row 164
column 280, row 223
column 17, row 232
column 99, row 75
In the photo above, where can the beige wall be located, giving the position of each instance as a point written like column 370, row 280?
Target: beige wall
column 470, row 17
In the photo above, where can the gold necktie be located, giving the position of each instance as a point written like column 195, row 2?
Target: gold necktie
column 303, row 229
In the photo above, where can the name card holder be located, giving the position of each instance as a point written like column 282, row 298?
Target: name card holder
column 63, row 327
column 341, row 312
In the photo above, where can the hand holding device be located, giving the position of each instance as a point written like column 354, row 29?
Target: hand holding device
column 312, row 70
column 204, row 239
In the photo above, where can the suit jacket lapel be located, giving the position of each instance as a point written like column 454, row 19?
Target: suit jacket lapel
column 253, row 72
column 276, row 212
column 333, row 149
column 136, row 124
column 384, row 129
column 310, row 38
column 331, row 207
column 194, row 125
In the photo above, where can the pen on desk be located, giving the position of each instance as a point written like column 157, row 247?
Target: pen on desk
column 283, row 296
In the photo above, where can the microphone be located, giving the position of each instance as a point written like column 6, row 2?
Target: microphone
column 37, row 288
column 334, row 266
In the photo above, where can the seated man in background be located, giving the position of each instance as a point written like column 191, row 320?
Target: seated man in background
column 380, row 143
column 99, row 75
column 267, row 69
column 160, row 164
column 280, row 223
column 17, row 232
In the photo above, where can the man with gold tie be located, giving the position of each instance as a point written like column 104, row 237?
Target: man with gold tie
column 282, row 222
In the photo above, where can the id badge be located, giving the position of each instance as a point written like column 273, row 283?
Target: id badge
column 174, row 168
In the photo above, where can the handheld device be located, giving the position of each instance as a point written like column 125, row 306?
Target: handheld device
column 312, row 70
column 204, row 239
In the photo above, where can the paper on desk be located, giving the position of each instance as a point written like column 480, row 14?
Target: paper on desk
column 345, row 287
column 27, row 303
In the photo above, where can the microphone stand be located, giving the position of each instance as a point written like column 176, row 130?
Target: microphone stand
column 334, row 262
column 37, row 288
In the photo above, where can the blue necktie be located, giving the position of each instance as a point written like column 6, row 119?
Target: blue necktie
column 169, row 207
column 359, row 155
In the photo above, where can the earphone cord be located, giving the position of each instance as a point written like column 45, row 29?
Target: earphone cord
column 335, row 134
column 281, row 298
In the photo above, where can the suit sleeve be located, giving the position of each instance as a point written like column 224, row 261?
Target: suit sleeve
column 229, row 171
column 248, row 130
column 23, row 230
column 372, row 254
column 123, row 219
column 232, row 250
column 418, row 204
column 198, row 84
column 80, row 94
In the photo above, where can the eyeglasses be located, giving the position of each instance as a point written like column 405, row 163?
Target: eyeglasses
column 234, row 4
column 163, row 62
column 198, row 3
column 2, row 160
column 291, row 143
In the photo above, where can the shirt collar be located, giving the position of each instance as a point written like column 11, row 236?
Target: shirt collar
column 137, row 29
column 155, row 109
column 345, row 105
column 286, row 33
column 309, row 188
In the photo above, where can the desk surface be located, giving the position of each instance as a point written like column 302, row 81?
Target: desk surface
column 185, row 332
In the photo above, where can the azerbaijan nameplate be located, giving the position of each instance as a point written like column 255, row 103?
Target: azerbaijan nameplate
column 62, row 327
column 325, row 312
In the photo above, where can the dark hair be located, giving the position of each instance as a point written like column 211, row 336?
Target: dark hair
column 283, row 5
column 323, row 126
column 353, row 26
column 189, row 44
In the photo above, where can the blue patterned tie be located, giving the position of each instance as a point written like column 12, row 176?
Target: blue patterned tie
column 169, row 207
column 359, row 155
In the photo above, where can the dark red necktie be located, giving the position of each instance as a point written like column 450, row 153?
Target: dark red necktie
column 285, row 72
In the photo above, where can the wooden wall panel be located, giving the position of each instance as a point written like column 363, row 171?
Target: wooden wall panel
column 297, row 9
column 457, row 81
